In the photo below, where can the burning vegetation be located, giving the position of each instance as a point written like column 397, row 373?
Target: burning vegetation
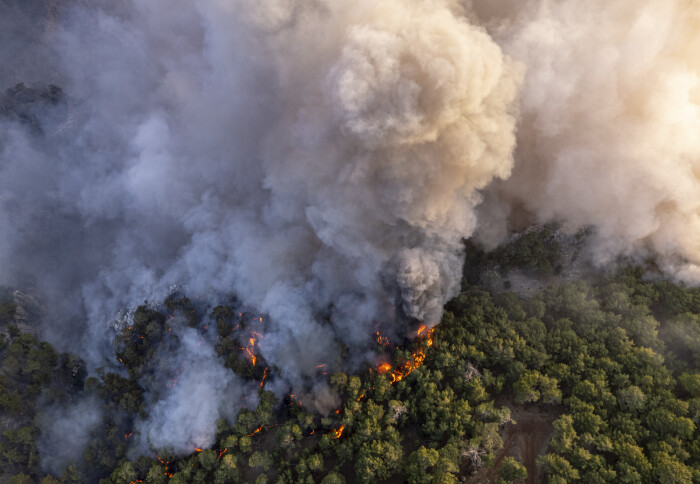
column 415, row 361
column 387, row 404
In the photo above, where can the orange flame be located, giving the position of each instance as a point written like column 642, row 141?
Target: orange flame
column 416, row 360
column 336, row 433
column 198, row 449
column 253, row 359
column 261, row 428
column 383, row 340
column 262, row 382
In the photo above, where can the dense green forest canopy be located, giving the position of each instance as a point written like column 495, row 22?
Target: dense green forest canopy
column 594, row 380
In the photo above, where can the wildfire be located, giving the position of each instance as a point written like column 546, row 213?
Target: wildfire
column 222, row 453
column 382, row 340
column 416, row 360
column 198, row 449
column 251, row 346
column 128, row 436
column 261, row 428
column 171, row 383
column 336, row 433
column 262, row 382
column 249, row 350
column 166, row 463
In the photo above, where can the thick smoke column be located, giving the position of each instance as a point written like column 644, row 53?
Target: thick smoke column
column 322, row 160
column 608, row 135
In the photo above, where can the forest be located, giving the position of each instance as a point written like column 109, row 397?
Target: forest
column 592, row 379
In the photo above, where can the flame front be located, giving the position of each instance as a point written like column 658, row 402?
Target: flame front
column 383, row 340
column 336, row 433
column 262, row 382
column 416, row 360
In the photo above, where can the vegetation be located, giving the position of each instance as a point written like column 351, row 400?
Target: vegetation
column 611, row 366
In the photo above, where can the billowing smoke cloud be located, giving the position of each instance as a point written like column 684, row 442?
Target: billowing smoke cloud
column 320, row 159
column 200, row 392
column 324, row 159
column 66, row 430
column 608, row 135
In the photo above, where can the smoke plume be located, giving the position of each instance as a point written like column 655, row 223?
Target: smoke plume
column 324, row 160
column 608, row 134
column 321, row 160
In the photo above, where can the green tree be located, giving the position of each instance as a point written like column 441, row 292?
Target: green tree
column 512, row 471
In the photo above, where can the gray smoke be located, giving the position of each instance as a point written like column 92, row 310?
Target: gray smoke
column 608, row 135
column 321, row 160
column 324, row 159
column 199, row 392
column 66, row 429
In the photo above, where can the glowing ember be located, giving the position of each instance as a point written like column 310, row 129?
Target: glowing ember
column 249, row 350
column 261, row 428
column 416, row 360
column 262, row 382
column 251, row 346
column 336, row 433
column 198, row 449
column 383, row 340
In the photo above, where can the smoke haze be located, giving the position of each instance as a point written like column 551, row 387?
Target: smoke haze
column 323, row 160
column 608, row 135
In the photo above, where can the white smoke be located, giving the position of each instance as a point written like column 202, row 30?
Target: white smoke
column 202, row 391
column 608, row 135
column 66, row 429
column 322, row 160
